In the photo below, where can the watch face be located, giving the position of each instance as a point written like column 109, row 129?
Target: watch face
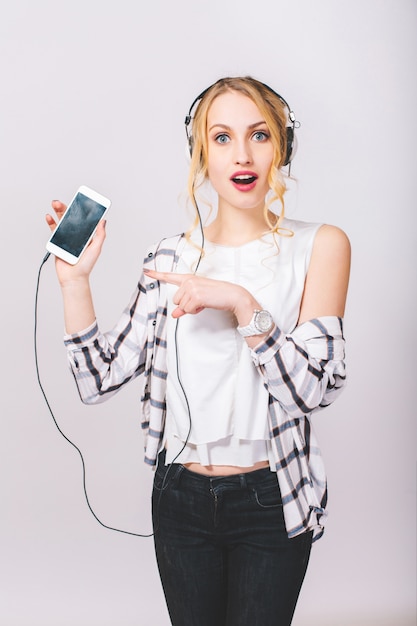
column 263, row 321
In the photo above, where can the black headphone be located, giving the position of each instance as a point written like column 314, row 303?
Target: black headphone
column 291, row 139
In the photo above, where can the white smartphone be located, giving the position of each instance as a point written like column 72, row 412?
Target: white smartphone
column 78, row 224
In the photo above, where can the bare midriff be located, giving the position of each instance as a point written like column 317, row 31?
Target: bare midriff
column 224, row 470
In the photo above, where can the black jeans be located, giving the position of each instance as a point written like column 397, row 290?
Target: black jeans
column 223, row 553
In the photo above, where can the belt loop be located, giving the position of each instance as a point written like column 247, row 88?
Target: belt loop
column 243, row 481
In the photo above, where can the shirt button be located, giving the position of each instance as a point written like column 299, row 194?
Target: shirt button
column 152, row 286
column 150, row 255
column 154, row 323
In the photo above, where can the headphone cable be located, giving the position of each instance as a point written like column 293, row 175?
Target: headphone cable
column 125, row 532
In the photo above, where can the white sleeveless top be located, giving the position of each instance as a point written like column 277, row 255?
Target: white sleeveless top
column 216, row 400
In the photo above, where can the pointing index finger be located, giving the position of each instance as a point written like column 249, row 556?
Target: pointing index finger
column 165, row 277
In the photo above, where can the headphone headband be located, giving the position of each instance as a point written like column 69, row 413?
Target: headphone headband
column 291, row 140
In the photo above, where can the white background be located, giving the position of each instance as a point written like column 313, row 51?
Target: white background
column 95, row 92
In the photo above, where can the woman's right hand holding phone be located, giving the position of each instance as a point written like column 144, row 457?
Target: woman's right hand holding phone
column 82, row 269
column 74, row 279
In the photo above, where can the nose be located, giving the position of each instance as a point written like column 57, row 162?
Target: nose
column 243, row 154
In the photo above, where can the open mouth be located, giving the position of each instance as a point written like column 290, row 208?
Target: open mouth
column 244, row 179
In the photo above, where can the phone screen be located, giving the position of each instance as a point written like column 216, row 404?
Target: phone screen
column 77, row 225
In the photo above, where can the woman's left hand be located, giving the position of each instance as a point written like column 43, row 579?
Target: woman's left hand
column 196, row 293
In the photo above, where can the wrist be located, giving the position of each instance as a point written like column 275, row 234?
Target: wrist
column 245, row 307
column 75, row 284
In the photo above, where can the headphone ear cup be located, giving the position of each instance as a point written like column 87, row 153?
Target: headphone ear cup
column 291, row 145
column 188, row 152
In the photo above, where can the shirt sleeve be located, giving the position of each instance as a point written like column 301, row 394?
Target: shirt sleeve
column 103, row 362
column 304, row 370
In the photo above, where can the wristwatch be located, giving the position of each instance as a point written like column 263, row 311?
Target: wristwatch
column 260, row 323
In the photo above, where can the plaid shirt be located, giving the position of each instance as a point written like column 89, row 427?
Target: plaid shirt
column 302, row 371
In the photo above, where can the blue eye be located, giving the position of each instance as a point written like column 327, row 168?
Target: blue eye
column 260, row 135
column 223, row 138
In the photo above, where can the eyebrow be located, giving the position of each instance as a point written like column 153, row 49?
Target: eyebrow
column 225, row 127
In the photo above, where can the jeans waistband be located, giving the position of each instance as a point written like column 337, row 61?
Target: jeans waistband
column 243, row 480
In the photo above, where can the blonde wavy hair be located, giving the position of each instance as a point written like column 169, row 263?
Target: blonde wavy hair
column 275, row 115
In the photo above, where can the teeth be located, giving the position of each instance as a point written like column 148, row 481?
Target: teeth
column 243, row 177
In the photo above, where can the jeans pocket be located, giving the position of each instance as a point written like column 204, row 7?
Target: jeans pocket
column 268, row 495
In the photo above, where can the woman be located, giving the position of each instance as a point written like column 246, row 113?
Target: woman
column 237, row 328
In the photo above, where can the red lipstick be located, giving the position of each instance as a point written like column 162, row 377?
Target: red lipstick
column 244, row 180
